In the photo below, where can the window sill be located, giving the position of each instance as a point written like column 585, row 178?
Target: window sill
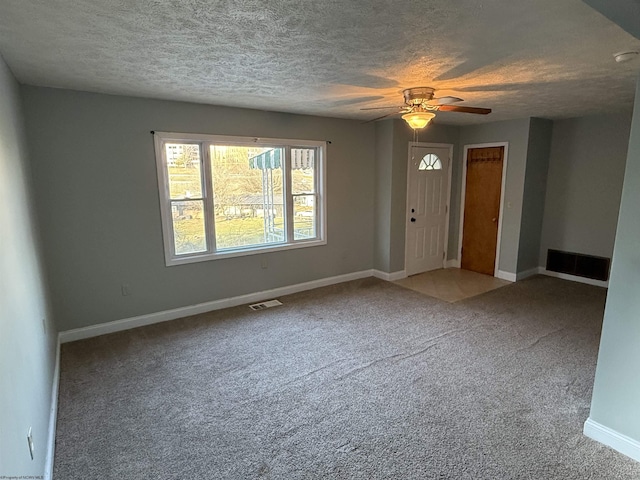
column 205, row 257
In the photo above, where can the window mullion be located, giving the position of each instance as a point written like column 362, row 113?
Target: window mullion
column 320, row 169
column 209, row 224
column 288, row 194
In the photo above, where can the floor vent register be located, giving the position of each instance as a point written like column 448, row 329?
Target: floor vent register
column 263, row 305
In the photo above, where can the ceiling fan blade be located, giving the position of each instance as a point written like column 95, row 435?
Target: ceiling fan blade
column 380, row 118
column 463, row 109
column 444, row 100
column 382, row 108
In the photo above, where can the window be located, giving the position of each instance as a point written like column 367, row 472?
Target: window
column 232, row 196
column 430, row 162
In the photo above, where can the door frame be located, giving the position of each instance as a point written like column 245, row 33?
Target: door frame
column 463, row 194
column 448, row 203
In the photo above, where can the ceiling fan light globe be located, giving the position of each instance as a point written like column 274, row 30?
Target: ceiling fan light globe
column 418, row 120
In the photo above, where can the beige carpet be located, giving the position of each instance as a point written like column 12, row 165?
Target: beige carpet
column 362, row 380
column 451, row 284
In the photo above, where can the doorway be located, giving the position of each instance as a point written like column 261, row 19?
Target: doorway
column 481, row 215
column 427, row 219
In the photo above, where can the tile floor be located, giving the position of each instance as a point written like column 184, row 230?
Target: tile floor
column 451, row 284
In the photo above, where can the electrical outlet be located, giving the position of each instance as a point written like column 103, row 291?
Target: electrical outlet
column 44, row 325
column 30, row 443
column 126, row 289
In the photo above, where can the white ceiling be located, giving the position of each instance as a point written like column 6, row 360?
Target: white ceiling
column 543, row 58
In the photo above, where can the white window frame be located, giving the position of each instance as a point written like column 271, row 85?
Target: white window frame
column 160, row 138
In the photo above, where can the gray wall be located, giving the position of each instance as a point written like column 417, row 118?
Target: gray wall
column 97, row 195
column 625, row 13
column 527, row 164
column 434, row 133
column 533, row 196
column 392, row 156
column 616, row 393
column 586, row 171
column 383, row 186
column 516, row 132
column 27, row 348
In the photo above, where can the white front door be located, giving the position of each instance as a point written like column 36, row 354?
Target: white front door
column 427, row 209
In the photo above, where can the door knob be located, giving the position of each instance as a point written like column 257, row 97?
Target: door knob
column 413, row 219
column 494, row 219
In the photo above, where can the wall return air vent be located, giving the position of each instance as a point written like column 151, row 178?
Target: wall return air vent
column 588, row 266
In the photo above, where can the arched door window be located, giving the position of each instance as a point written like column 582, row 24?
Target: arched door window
column 430, row 162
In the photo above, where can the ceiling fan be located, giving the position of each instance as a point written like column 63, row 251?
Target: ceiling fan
column 420, row 107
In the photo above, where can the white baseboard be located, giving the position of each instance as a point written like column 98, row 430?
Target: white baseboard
column 605, row 435
column 53, row 416
column 157, row 317
column 390, row 277
column 510, row 277
column 513, row 277
column 527, row 273
column 573, row 278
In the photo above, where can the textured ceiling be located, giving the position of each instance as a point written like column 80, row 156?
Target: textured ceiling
column 544, row 58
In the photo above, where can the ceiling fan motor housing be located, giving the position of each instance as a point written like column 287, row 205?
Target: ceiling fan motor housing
column 417, row 95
